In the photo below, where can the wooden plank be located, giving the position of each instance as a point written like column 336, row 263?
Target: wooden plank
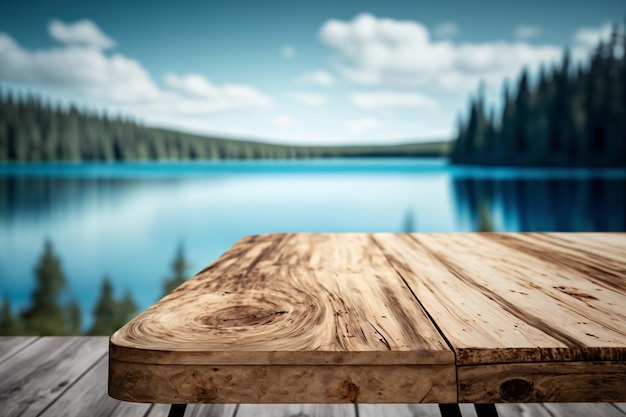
column 605, row 245
column 584, row 410
column 271, row 309
column 196, row 410
column 536, row 289
column 41, row 372
column 299, row 410
column 10, row 345
column 543, row 382
column 160, row 410
column 332, row 252
column 88, row 395
column 523, row 410
column 564, row 258
column 493, row 302
column 394, row 410
column 467, row 410
column 141, row 382
column 467, row 317
column 211, row 410
column 399, row 410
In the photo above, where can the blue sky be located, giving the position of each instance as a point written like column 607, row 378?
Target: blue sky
column 323, row 72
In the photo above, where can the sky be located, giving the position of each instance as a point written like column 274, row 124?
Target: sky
column 314, row 72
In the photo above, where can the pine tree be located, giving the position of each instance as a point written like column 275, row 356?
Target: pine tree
column 104, row 313
column 507, row 127
column 9, row 324
column 73, row 319
column 409, row 222
column 46, row 314
column 522, row 109
column 485, row 223
column 109, row 313
column 126, row 310
column 179, row 271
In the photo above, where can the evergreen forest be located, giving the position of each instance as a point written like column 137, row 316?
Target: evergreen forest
column 572, row 114
column 575, row 115
column 36, row 131
column 53, row 312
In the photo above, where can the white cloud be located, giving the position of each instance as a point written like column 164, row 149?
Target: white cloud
column 83, row 32
column 390, row 99
column 359, row 127
column 590, row 37
column 216, row 98
column 446, row 30
column 89, row 70
column 586, row 39
column 284, row 122
column 381, row 51
column 308, row 99
column 288, row 51
column 320, row 77
column 117, row 80
column 526, row 32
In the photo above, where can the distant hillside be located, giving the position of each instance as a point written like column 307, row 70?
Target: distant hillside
column 572, row 117
column 33, row 131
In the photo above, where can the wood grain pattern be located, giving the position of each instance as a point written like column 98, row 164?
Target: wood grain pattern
column 543, row 382
column 263, row 384
column 298, row 305
column 499, row 298
column 86, row 394
column 373, row 306
column 196, row 410
column 584, row 410
column 399, row 410
column 9, row 346
column 299, row 410
column 44, row 370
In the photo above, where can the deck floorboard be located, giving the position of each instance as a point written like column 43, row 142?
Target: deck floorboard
column 9, row 346
column 52, row 376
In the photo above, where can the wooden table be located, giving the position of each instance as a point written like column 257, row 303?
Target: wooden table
column 387, row 318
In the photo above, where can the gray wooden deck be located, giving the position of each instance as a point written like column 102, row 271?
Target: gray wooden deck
column 67, row 376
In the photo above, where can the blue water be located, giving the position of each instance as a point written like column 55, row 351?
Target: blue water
column 127, row 220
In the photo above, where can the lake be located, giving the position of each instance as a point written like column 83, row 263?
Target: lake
column 126, row 221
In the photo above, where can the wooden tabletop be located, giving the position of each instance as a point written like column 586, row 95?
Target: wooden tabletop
column 380, row 318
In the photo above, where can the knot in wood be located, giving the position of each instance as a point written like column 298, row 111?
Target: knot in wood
column 349, row 391
column 516, row 389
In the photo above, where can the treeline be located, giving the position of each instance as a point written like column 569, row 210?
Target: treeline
column 51, row 314
column 34, row 130
column 571, row 117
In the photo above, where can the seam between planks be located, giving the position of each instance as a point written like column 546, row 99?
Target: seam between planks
column 147, row 411
column 35, row 339
column 443, row 336
column 68, row 386
column 430, row 318
column 550, row 413
column 617, row 408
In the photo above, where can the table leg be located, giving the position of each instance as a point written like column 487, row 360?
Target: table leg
column 450, row 410
column 486, row 410
column 177, row 410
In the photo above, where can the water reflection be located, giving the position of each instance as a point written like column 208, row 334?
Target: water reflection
column 564, row 205
column 127, row 222
column 41, row 198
